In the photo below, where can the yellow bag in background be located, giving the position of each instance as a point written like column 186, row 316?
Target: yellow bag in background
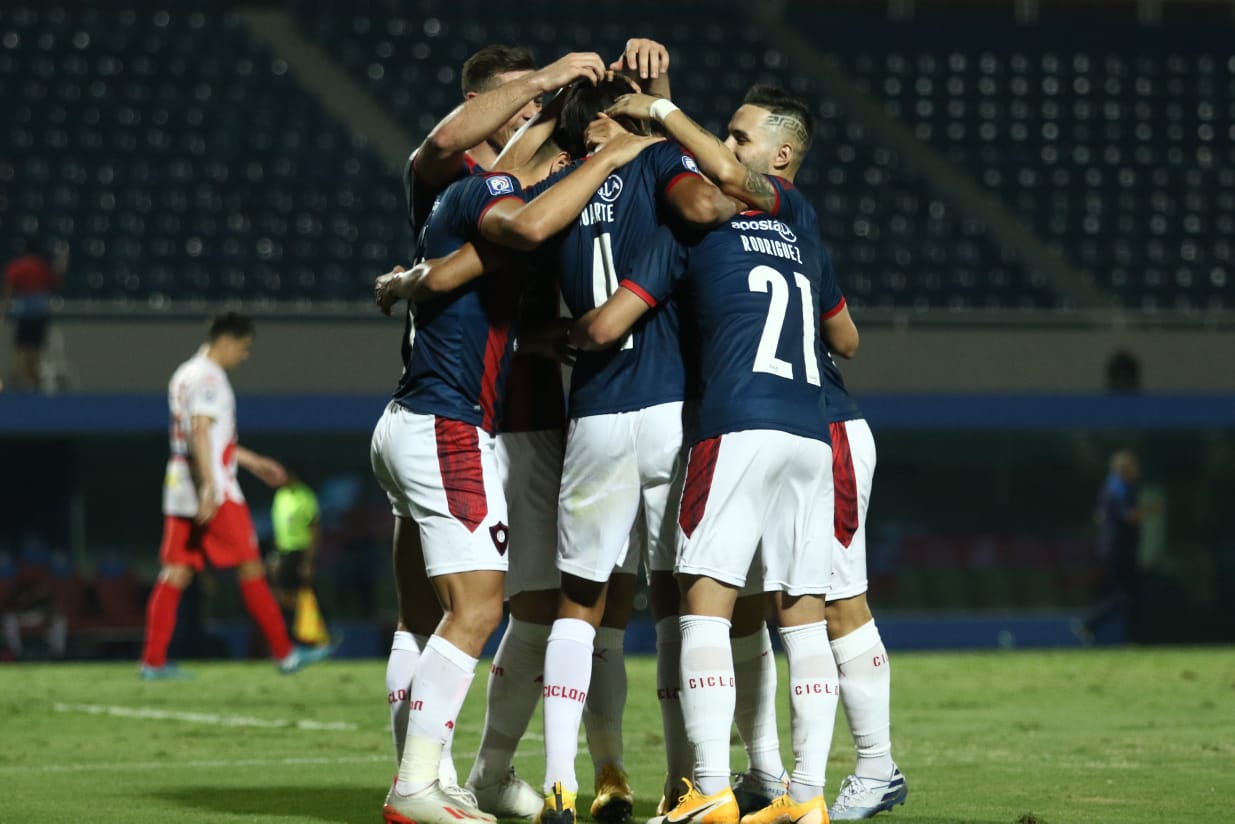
column 309, row 626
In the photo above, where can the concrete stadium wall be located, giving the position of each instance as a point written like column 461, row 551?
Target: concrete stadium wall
column 362, row 355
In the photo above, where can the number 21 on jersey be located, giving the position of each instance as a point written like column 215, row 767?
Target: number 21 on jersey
column 766, row 279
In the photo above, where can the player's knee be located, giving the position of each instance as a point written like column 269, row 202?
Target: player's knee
column 846, row 615
column 478, row 617
column 176, row 575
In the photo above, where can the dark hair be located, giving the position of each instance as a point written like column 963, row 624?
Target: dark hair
column 584, row 101
column 480, row 70
column 778, row 101
column 232, row 324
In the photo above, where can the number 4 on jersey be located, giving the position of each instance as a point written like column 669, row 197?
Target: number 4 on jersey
column 763, row 279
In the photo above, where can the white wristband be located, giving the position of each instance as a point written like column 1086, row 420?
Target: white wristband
column 662, row 108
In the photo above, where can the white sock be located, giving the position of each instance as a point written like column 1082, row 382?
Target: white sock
column 400, row 667
column 565, row 692
column 513, row 691
column 606, row 700
column 754, row 666
column 442, row 679
column 813, row 694
column 708, row 696
column 866, row 692
column 679, row 759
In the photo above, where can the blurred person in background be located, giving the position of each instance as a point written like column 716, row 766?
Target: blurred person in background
column 205, row 514
column 31, row 600
column 1119, row 517
column 296, row 520
column 30, row 279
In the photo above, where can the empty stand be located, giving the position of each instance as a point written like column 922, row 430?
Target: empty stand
column 181, row 163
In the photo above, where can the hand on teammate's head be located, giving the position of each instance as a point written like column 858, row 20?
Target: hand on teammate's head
column 571, row 67
column 637, row 106
column 601, row 130
column 646, row 56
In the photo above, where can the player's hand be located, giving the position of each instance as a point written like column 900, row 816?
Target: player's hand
column 601, row 130
column 574, row 66
column 387, row 290
column 270, row 471
column 645, row 56
column 625, row 147
column 207, row 505
column 636, row 106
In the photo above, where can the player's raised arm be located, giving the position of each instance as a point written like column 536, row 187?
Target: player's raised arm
column 437, row 159
column 526, row 225
column 522, row 147
column 714, row 157
column 650, row 60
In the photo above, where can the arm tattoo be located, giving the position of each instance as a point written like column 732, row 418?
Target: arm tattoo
column 762, row 193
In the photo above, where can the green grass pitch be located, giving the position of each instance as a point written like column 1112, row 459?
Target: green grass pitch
column 1092, row 737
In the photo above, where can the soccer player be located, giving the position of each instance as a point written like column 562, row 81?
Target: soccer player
column 502, row 89
column 752, row 483
column 876, row 783
column 433, row 449
column 623, row 438
column 764, row 134
column 615, row 409
column 205, row 515
column 768, row 137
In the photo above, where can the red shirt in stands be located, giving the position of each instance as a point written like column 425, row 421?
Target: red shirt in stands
column 30, row 276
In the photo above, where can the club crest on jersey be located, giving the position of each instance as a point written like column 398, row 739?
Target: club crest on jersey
column 500, row 533
column 690, row 164
column 610, row 189
column 500, row 185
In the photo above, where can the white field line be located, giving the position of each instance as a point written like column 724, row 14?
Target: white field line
column 194, row 765
column 211, row 719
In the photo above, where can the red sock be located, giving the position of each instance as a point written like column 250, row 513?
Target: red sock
column 160, row 623
column 260, row 603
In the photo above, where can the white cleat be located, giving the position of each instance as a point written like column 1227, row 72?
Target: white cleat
column 433, row 805
column 862, row 798
column 512, row 797
column 755, row 790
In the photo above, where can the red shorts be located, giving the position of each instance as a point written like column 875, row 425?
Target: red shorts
column 228, row 540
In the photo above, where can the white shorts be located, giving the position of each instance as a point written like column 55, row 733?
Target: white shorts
column 758, row 490
column 615, row 464
column 443, row 474
column 853, row 474
column 530, row 465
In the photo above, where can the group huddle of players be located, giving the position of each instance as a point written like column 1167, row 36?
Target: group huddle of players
column 706, row 433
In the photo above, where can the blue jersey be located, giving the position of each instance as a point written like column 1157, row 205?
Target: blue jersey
column 456, row 350
column 1118, row 534
column 420, row 195
column 591, row 257
column 754, row 285
column 841, row 405
column 794, row 209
